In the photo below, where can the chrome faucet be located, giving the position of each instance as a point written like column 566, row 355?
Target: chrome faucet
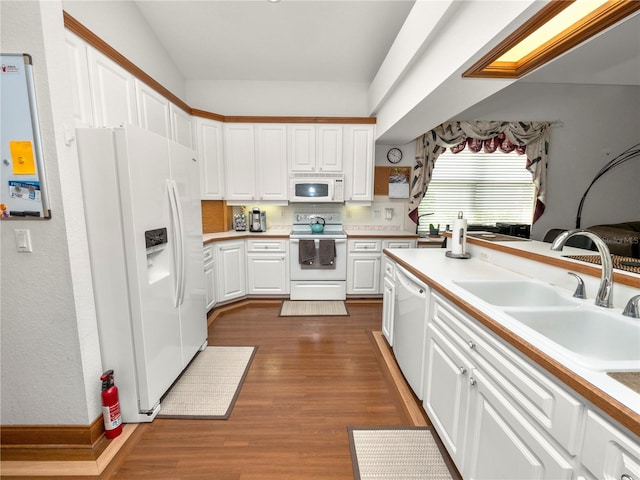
column 604, row 297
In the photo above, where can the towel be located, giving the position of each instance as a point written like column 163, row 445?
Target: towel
column 327, row 252
column 307, row 252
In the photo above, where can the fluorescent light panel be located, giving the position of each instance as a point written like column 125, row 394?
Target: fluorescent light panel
column 556, row 28
column 567, row 18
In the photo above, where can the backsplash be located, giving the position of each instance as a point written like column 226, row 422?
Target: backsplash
column 374, row 217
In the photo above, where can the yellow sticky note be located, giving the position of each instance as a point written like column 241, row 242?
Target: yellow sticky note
column 22, row 156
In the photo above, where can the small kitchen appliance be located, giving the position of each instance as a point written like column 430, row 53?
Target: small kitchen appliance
column 258, row 221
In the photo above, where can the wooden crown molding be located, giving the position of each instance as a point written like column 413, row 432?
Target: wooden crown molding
column 604, row 17
column 95, row 41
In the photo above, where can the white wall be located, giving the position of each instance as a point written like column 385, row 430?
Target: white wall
column 49, row 334
column 598, row 122
column 279, row 98
column 122, row 26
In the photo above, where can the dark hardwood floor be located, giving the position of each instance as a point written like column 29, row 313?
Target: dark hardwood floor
column 311, row 378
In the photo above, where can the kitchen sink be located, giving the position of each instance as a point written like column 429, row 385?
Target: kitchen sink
column 598, row 340
column 517, row 293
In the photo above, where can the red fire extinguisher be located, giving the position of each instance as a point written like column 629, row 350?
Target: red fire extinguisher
column 110, row 406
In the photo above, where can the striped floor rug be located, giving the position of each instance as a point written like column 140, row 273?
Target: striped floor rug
column 405, row 453
column 312, row 308
column 210, row 385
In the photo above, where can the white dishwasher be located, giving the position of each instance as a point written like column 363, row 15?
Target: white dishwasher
column 409, row 327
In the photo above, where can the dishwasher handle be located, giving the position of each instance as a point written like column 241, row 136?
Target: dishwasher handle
column 410, row 284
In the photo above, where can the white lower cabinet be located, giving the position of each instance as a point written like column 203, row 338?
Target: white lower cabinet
column 363, row 266
column 502, row 443
column 230, row 270
column 267, row 267
column 607, row 452
column 388, row 298
column 497, row 415
column 209, row 276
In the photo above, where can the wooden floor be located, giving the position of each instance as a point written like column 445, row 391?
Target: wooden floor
column 311, row 378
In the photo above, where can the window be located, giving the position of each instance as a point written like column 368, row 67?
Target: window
column 487, row 187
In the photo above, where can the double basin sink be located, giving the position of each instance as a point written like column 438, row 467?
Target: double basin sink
column 592, row 337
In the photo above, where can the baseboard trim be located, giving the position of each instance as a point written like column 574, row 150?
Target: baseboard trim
column 410, row 402
column 65, row 467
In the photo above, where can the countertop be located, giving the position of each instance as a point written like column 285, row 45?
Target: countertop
column 439, row 272
column 283, row 232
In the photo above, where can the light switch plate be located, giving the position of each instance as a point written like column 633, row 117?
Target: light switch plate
column 23, row 240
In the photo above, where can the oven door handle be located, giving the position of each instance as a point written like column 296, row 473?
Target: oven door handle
column 337, row 240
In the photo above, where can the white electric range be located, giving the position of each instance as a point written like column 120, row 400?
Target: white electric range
column 311, row 279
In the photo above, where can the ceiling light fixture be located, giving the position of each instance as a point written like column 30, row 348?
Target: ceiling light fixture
column 556, row 28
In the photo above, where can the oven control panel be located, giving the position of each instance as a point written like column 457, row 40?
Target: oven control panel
column 304, row 218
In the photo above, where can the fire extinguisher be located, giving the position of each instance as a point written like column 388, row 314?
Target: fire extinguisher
column 110, row 406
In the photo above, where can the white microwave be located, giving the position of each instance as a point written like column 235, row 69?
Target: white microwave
column 316, row 188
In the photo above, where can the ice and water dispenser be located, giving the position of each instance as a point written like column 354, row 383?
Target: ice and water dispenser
column 158, row 260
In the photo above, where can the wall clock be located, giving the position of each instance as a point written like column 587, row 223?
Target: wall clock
column 394, row 155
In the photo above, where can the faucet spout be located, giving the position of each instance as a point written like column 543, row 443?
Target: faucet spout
column 604, row 297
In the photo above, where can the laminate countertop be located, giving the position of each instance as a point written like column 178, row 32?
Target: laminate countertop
column 619, row 400
column 285, row 231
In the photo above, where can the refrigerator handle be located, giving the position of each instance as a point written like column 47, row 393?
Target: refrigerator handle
column 183, row 260
column 177, row 242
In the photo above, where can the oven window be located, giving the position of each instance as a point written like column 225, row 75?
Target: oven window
column 312, row 190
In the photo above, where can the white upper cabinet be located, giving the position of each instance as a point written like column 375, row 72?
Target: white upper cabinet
column 181, row 126
column 240, row 161
column 112, row 91
column 271, row 162
column 301, row 143
column 358, row 162
column 153, row 110
column 315, row 147
column 329, row 148
column 210, row 152
column 79, row 77
column 255, row 162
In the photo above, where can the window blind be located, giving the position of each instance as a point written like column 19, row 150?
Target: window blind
column 487, row 187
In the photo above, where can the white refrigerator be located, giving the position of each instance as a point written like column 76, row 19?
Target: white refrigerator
column 142, row 210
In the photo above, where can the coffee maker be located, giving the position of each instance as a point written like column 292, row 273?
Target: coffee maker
column 258, row 221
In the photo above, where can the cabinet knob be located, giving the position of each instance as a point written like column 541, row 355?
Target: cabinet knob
column 471, row 344
column 463, row 370
column 472, row 381
column 624, row 476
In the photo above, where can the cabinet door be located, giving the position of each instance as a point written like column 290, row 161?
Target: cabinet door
column 239, row 161
column 230, row 271
column 501, row 443
column 388, row 306
column 358, row 162
column 153, row 110
column 181, row 126
column 210, row 285
column 209, row 276
column 607, row 451
column 363, row 274
column 446, row 390
column 301, row 140
column 209, row 141
column 271, row 161
column 268, row 273
column 112, row 92
column 79, row 75
column 329, row 148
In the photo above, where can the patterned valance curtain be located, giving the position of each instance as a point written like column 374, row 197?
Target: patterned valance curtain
column 531, row 138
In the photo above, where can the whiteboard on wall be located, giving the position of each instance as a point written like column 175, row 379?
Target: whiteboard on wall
column 23, row 189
